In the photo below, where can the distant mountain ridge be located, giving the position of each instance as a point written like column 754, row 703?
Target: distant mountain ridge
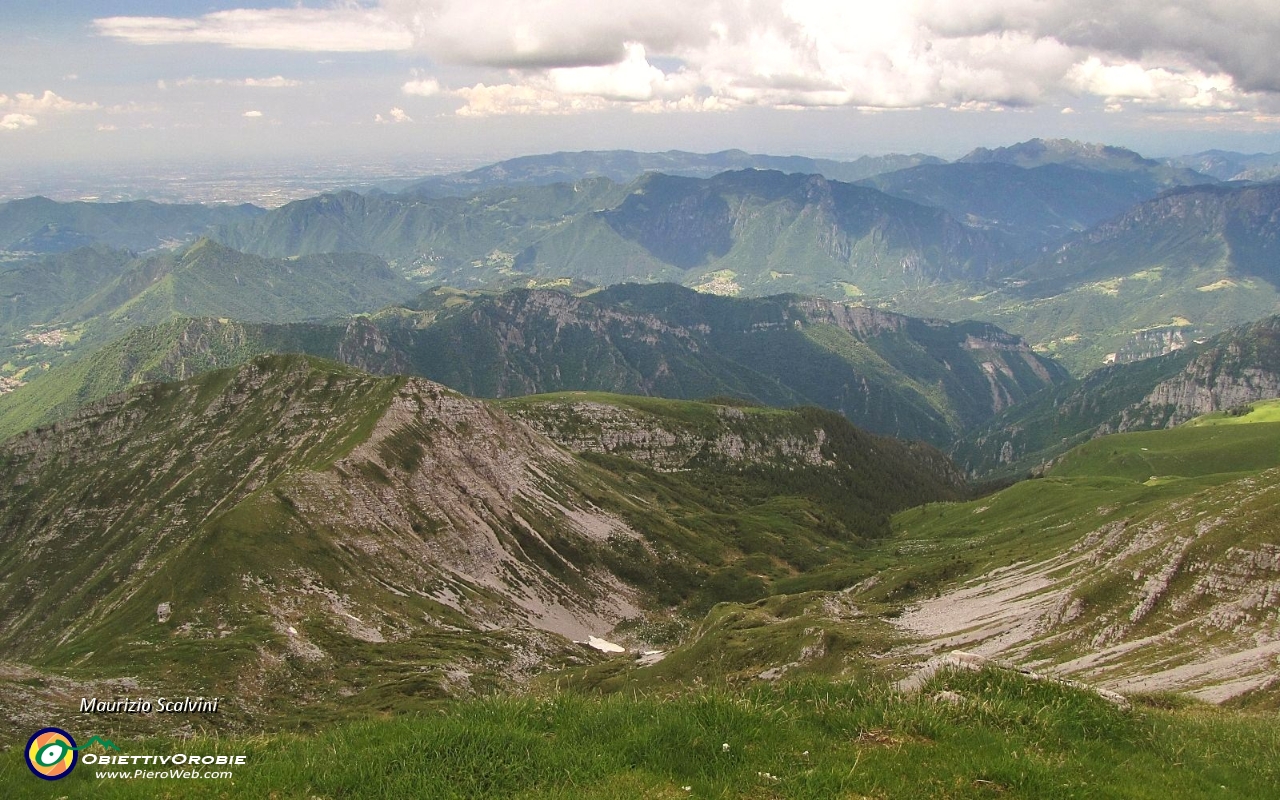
column 1086, row 155
column 66, row 304
column 1226, row 165
column 750, row 231
column 1187, row 264
column 1060, row 241
column 1033, row 206
column 623, row 166
column 891, row 374
column 39, row 225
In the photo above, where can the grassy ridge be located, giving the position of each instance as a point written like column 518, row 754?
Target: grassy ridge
column 1004, row 737
column 1117, row 477
column 1185, row 452
column 1262, row 411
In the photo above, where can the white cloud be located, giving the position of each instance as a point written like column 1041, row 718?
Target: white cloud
column 13, row 122
column 1237, row 37
column 513, row 99
column 567, row 56
column 252, row 114
column 106, row 127
column 633, row 78
column 38, row 104
column 20, row 110
column 274, row 82
column 344, row 29
column 1191, row 89
column 542, row 34
column 422, row 87
column 394, row 117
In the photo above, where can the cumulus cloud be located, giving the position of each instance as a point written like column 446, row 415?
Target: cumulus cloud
column 546, row 33
column 252, row 114
column 1237, row 37
column 343, row 29
column 14, row 122
column 1156, row 86
column 563, row 56
column 274, row 82
column 422, row 87
column 38, row 104
column 521, row 99
column 633, row 78
column 21, row 110
column 394, row 117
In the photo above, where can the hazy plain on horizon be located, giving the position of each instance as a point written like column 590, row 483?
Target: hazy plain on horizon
column 96, row 92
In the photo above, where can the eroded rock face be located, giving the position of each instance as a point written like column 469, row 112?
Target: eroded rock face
column 1244, row 369
column 486, row 487
column 1190, row 600
column 585, row 426
column 1236, row 368
column 307, row 510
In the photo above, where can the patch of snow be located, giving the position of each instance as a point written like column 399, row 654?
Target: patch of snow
column 604, row 646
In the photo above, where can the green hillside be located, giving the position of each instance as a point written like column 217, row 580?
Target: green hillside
column 1141, row 561
column 1244, row 414
column 920, row 379
column 293, row 521
column 174, row 350
column 65, row 306
column 39, row 291
column 1185, row 265
column 1183, row 452
column 773, row 231
column 41, row 225
column 1232, row 369
column 464, row 241
column 209, row 279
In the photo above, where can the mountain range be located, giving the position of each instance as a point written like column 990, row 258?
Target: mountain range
column 623, row 166
column 1189, row 263
column 60, row 306
column 574, row 424
column 891, row 374
column 40, row 225
column 751, row 231
column 1087, row 250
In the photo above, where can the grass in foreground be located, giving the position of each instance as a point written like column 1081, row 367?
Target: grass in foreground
column 1005, row 737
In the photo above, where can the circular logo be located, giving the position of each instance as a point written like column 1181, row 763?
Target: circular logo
column 51, row 753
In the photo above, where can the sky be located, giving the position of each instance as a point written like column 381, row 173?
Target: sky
column 96, row 82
